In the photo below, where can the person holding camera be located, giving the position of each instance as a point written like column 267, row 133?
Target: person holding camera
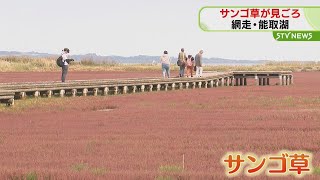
column 65, row 63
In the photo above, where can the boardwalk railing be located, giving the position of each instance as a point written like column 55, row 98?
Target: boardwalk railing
column 11, row 91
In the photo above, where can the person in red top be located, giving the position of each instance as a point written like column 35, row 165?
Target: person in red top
column 190, row 66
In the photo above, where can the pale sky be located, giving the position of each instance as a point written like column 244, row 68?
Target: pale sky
column 137, row 27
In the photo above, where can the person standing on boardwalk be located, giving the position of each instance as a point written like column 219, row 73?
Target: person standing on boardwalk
column 189, row 66
column 182, row 62
column 198, row 62
column 65, row 57
column 165, row 62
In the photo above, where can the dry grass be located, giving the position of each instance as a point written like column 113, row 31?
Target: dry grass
column 29, row 64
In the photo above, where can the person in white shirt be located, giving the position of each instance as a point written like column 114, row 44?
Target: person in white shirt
column 165, row 62
column 65, row 55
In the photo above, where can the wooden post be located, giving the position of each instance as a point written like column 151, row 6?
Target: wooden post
column 241, row 81
column 260, row 81
column 232, row 81
column 150, row 87
column 125, row 90
column 116, row 90
column 36, row 94
column 173, row 86
column 134, row 89
column 256, row 79
column 211, row 83
column 95, row 91
column 193, row 85
column 74, row 92
column 23, row 95
column 105, row 91
column 206, row 84
column 49, row 93
column 85, row 92
column 62, row 92
column 11, row 102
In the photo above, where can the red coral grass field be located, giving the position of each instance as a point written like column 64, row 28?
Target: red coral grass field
column 180, row 134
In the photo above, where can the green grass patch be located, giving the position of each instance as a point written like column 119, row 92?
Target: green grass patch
column 165, row 178
column 16, row 177
column 98, row 171
column 170, row 168
column 31, row 176
column 91, row 146
column 316, row 171
column 79, row 167
column 287, row 101
column 35, row 103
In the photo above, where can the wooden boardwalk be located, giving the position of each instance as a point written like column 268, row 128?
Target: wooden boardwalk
column 9, row 92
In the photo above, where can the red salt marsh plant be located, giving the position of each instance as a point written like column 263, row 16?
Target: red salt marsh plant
column 152, row 130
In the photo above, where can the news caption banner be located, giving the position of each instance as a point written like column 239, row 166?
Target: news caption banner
column 287, row 23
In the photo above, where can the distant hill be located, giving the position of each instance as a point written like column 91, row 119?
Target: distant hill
column 141, row 59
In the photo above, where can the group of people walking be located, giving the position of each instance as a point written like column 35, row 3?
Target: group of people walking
column 188, row 63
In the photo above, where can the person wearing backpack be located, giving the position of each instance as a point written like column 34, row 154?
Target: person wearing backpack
column 189, row 66
column 65, row 63
column 182, row 62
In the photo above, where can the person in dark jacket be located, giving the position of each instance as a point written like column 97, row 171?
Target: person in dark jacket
column 182, row 62
column 198, row 63
column 65, row 59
